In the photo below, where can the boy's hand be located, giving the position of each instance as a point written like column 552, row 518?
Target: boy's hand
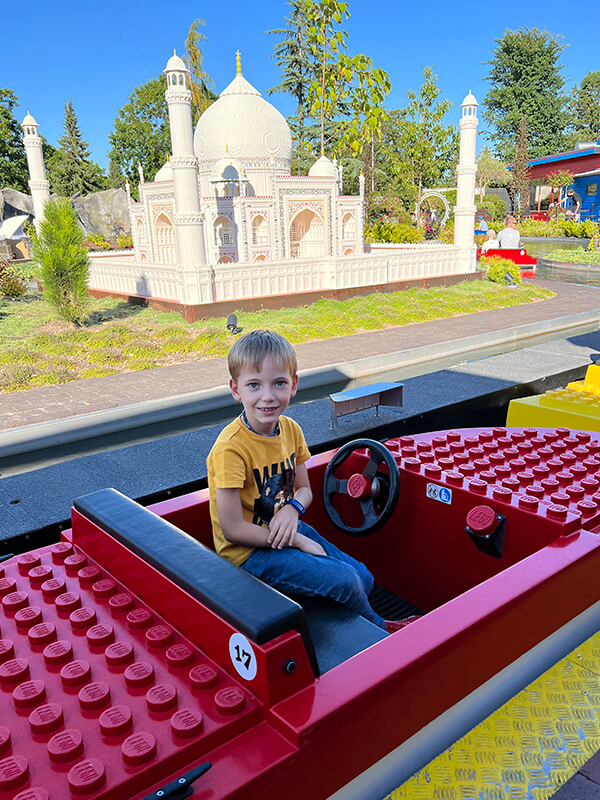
column 308, row 546
column 283, row 528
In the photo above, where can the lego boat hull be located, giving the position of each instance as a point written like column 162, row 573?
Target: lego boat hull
column 161, row 653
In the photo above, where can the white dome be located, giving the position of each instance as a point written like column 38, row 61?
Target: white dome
column 469, row 100
column 175, row 64
column 29, row 120
column 323, row 168
column 242, row 125
column 165, row 173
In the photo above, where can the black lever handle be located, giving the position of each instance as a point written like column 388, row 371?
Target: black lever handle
column 182, row 787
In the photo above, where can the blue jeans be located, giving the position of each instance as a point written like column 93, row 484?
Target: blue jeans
column 335, row 575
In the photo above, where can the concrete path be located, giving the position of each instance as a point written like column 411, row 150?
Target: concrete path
column 47, row 404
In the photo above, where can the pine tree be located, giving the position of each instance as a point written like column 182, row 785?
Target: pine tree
column 116, row 179
column 299, row 68
column 62, row 260
column 584, row 107
column 71, row 170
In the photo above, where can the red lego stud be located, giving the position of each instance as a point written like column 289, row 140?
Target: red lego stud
column 87, row 777
column 65, row 746
column 358, row 486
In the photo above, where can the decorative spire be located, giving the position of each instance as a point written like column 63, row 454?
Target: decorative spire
column 238, row 62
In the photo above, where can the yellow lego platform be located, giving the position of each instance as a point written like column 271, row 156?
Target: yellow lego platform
column 577, row 406
column 527, row 748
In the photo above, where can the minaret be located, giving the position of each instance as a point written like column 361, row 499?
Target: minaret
column 40, row 187
column 464, row 211
column 188, row 217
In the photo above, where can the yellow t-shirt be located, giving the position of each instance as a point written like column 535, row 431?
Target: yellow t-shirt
column 263, row 468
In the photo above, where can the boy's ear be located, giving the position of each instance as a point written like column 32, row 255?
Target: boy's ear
column 294, row 386
column 234, row 391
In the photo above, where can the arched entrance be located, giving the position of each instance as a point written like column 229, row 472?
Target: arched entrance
column 307, row 235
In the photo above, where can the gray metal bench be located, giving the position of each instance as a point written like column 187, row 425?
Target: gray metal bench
column 371, row 396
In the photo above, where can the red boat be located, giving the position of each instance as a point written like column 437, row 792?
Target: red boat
column 526, row 263
column 135, row 663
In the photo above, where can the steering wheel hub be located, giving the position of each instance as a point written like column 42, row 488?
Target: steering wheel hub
column 376, row 491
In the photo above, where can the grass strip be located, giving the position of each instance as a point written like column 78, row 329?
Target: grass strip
column 38, row 349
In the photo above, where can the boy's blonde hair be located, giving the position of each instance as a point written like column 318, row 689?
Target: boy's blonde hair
column 250, row 351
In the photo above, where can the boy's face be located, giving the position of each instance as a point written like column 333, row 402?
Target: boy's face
column 265, row 394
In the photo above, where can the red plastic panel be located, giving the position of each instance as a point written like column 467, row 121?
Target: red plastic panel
column 100, row 697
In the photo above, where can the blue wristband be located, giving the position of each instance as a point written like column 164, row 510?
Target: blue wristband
column 298, row 506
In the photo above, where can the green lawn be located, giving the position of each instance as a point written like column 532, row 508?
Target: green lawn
column 37, row 349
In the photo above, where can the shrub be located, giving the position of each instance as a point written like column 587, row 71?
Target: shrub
column 497, row 267
column 125, row 242
column 62, row 260
column 392, row 233
column 537, row 227
column 576, row 256
column 495, row 206
column 11, row 284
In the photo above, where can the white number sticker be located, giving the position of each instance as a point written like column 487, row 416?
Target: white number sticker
column 441, row 493
column 242, row 656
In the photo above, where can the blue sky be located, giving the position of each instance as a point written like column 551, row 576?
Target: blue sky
column 96, row 53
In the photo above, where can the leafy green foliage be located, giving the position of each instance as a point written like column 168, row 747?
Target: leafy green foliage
column 584, row 108
column 526, row 81
column 200, row 82
column 417, row 149
column 561, row 227
column 519, row 184
column 62, row 261
column 141, row 132
column 498, row 267
column 11, row 279
column 116, row 179
column 560, row 177
column 396, row 233
column 299, row 68
column 70, row 169
column 576, row 256
column 13, row 162
column 348, row 89
column 490, row 171
column 495, row 206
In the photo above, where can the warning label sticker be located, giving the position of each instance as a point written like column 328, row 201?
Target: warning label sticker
column 441, row 493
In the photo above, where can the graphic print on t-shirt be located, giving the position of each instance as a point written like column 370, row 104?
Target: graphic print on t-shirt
column 275, row 487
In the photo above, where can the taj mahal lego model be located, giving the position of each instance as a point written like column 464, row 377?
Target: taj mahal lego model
column 225, row 221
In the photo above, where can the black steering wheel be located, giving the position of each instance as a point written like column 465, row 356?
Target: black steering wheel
column 376, row 491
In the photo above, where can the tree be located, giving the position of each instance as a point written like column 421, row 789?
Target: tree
column 422, row 150
column 13, row 162
column 70, row 169
column 62, row 260
column 116, row 179
column 584, row 108
column 519, row 187
column 527, row 82
column 200, row 82
column 295, row 58
column 141, row 133
column 349, row 90
column 490, row 171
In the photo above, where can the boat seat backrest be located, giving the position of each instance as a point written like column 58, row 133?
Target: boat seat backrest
column 258, row 611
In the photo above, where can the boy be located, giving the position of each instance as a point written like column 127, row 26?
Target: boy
column 259, row 485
